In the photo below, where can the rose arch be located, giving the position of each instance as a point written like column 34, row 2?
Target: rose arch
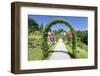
column 45, row 36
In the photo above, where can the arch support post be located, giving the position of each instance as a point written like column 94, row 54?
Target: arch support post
column 74, row 44
column 45, row 45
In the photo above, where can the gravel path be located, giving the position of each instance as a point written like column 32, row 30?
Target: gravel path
column 60, row 52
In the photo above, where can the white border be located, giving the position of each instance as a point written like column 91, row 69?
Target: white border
column 25, row 64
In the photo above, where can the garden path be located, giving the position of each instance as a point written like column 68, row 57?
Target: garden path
column 60, row 51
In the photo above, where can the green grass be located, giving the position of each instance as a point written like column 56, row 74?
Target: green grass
column 35, row 53
column 34, row 46
column 80, row 52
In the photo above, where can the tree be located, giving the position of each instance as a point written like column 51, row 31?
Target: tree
column 60, row 30
column 41, row 28
column 32, row 25
column 83, row 35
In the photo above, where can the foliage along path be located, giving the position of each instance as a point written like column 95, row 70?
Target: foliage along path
column 60, row 52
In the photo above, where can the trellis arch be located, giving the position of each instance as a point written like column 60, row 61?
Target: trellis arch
column 45, row 36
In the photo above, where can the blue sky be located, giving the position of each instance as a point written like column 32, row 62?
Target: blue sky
column 79, row 23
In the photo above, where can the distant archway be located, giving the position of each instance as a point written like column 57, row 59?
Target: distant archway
column 45, row 36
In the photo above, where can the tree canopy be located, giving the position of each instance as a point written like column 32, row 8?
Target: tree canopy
column 83, row 35
column 32, row 25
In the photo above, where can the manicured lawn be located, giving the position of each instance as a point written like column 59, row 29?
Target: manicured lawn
column 80, row 52
column 35, row 53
